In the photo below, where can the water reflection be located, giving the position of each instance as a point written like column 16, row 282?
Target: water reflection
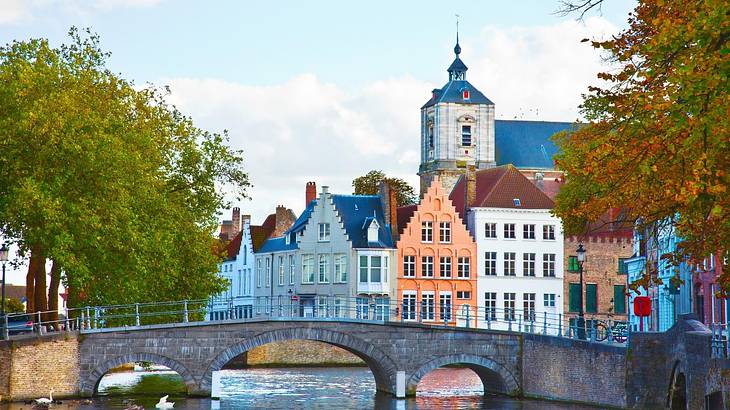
column 300, row 388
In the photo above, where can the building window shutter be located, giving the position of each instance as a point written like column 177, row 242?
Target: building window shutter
column 591, row 298
column 619, row 299
column 574, row 297
column 572, row 264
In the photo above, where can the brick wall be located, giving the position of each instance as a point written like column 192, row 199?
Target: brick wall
column 300, row 352
column 30, row 368
column 573, row 370
column 601, row 268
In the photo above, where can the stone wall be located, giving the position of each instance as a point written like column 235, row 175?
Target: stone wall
column 301, row 353
column 573, row 370
column 31, row 367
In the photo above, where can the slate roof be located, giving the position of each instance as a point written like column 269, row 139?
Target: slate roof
column 355, row 211
column 527, row 144
column 277, row 245
column 404, row 214
column 452, row 93
column 259, row 234
column 498, row 187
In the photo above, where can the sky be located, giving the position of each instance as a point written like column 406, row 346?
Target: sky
column 327, row 90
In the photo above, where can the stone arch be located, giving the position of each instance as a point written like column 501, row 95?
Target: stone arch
column 382, row 366
column 677, row 392
column 495, row 377
column 91, row 381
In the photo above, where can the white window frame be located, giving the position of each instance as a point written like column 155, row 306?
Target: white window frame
column 324, row 232
column 409, row 266
column 409, row 305
column 427, row 231
column 308, row 269
column 428, row 311
column 323, row 268
column 528, row 264
column 340, row 268
column 548, row 232
column 424, row 263
column 528, row 231
column 490, row 230
column 445, row 232
column 509, row 263
column 282, row 270
column 448, row 313
column 509, row 231
column 490, row 263
column 463, row 270
column 446, row 265
column 548, row 265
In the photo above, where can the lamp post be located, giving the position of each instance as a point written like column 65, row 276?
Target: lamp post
column 3, row 260
column 581, row 256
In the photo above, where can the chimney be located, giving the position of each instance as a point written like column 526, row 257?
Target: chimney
column 281, row 221
column 390, row 208
column 236, row 218
column 470, row 188
column 245, row 220
column 539, row 180
column 311, row 193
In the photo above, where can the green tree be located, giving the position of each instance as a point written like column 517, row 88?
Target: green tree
column 109, row 181
column 656, row 140
column 13, row 305
column 369, row 183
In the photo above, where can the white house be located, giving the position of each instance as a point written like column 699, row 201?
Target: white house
column 519, row 249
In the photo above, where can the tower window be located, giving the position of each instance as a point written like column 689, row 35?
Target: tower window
column 465, row 94
column 430, row 136
column 466, row 135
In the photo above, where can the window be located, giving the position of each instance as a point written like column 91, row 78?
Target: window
column 548, row 265
column 445, row 232
column 528, row 231
column 591, row 298
column 490, row 263
column 516, row 202
column 463, row 294
column 324, row 232
column 509, row 264
column 548, row 232
column 574, row 297
column 463, row 268
column 259, row 273
column 548, row 300
column 445, row 306
column 409, row 266
column 376, row 267
column 465, row 94
column 490, row 306
column 428, row 308
column 267, row 276
column 340, row 268
column 409, row 305
column 323, row 269
column 509, row 231
column 281, row 271
column 292, row 269
column 427, row 266
column 490, row 230
column 528, row 307
column 509, row 306
column 322, row 306
column 338, row 307
column 430, row 136
column 573, row 264
column 363, row 306
column 427, row 231
column 445, row 267
column 363, row 268
column 528, row 264
column 466, row 135
column 619, row 299
column 307, row 269
column 622, row 266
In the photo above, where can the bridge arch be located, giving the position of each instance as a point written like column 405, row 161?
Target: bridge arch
column 382, row 366
column 91, row 382
column 677, row 394
column 495, row 377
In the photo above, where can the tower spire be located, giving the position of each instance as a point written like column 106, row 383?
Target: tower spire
column 457, row 48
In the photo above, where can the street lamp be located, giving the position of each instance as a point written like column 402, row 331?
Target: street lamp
column 3, row 260
column 581, row 256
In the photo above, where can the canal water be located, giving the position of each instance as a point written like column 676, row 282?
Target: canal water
column 298, row 388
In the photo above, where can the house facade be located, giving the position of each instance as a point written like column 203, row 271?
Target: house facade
column 335, row 260
column 437, row 275
column 519, row 249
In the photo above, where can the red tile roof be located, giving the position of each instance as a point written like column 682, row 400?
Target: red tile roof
column 498, row 188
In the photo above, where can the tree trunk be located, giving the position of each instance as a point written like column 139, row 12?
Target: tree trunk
column 53, row 294
column 40, row 302
column 30, row 287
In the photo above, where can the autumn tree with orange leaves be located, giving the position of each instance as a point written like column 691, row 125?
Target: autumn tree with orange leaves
column 657, row 140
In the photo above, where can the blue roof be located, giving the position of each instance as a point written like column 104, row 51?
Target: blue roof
column 355, row 211
column 527, row 144
column 452, row 93
column 301, row 222
column 277, row 245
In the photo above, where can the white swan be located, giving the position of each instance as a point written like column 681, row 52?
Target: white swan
column 164, row 404
column 43, row 401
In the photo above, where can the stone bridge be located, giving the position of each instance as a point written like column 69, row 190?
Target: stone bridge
column 675, row 369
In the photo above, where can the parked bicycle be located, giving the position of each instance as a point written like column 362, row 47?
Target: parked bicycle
column 619, row 331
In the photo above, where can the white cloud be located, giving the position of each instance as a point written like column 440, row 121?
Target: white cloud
column 306, row 129
column 17, row 11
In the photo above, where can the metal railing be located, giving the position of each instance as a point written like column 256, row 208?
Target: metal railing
column 361, row 309
column 719, row 345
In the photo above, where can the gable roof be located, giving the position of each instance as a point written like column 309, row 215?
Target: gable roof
column 527, row 144
column 452, row 93
column 355, row 211
column 498, row 188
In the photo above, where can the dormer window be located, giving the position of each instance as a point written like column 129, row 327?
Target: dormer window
column 373, row 231
column 465, row 94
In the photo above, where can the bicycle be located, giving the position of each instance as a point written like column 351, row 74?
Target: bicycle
column 619, row 331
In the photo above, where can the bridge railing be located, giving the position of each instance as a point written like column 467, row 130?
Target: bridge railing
column 435, row 312
column 720, row 340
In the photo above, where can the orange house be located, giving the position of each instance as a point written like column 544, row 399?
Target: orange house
column 437, row 273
